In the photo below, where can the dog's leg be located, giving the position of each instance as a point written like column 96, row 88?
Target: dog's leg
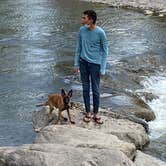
column 72, row 122
column 64, row 118
column 59, row 117
column 50, row 112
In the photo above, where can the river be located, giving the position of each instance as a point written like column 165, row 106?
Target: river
column 37, row 45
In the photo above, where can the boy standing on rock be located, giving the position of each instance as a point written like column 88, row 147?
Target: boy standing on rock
column 90, row 59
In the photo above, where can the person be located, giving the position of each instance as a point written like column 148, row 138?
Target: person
column 90, row 59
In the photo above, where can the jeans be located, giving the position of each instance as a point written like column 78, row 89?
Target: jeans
column 90, row 73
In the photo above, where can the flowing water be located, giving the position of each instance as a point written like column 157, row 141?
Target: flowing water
column 37, row 44
column 157, row 86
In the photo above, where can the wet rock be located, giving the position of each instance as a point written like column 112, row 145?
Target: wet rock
column 104, row 95
column 148, row 12
column 144, row 113
column 141, row 64
column 157, row 148
column 162, row 13
column 129, row 72
column 129, row 104
column 147, row 95
column 118, row 79
column 146, row 160
column 142, row 110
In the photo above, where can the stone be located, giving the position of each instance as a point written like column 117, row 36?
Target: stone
column 81, row 137
column 122, row 128
column 61, row 155
column 146, row 160
column 157, row 147
column 130, row 105
column 148, row 12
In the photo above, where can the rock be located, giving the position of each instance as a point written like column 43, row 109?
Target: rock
column 146, row 160
column 40, row 118
column 157, row 148
column 41, row 114
column 144, row 113
column 82, row 144
column 61, row 155
column 161, row 15
column 121, row 114
column 130, row 104
column 141, row 109
column 104, row 95
column 124, row 129
column 148, row 12
column 147, row 95
column 80, row 137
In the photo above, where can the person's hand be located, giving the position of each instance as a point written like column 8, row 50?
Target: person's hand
column 76, row 69
column 101, row 75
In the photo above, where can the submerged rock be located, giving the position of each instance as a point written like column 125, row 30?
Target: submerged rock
column 157, row 148
column 148, row 12
column 162, row 13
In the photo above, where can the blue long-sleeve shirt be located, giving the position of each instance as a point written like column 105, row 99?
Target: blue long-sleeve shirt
column 92, row 47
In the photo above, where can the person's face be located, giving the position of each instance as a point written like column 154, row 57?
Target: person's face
column 86, row 20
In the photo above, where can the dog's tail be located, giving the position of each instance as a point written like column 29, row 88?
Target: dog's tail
column 42, row 104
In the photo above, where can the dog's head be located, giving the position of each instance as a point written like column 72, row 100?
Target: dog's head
column 66, row 97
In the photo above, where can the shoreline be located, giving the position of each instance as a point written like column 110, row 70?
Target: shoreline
column 157, row 7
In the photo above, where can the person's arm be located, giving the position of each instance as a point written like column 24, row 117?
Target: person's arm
column 104, row 49
column 77, row 54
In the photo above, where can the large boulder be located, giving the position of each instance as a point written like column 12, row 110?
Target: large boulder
column 81, row 137
column 124, row 129
column 61, row 155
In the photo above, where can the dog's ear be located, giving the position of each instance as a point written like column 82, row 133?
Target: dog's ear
column 70, row 93
column 63, row 92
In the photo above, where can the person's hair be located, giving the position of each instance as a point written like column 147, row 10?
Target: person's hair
column 91, row 14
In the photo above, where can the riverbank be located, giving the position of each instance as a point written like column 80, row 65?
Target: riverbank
column 149, row 7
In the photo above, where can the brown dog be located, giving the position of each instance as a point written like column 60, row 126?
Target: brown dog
column 60, row 101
